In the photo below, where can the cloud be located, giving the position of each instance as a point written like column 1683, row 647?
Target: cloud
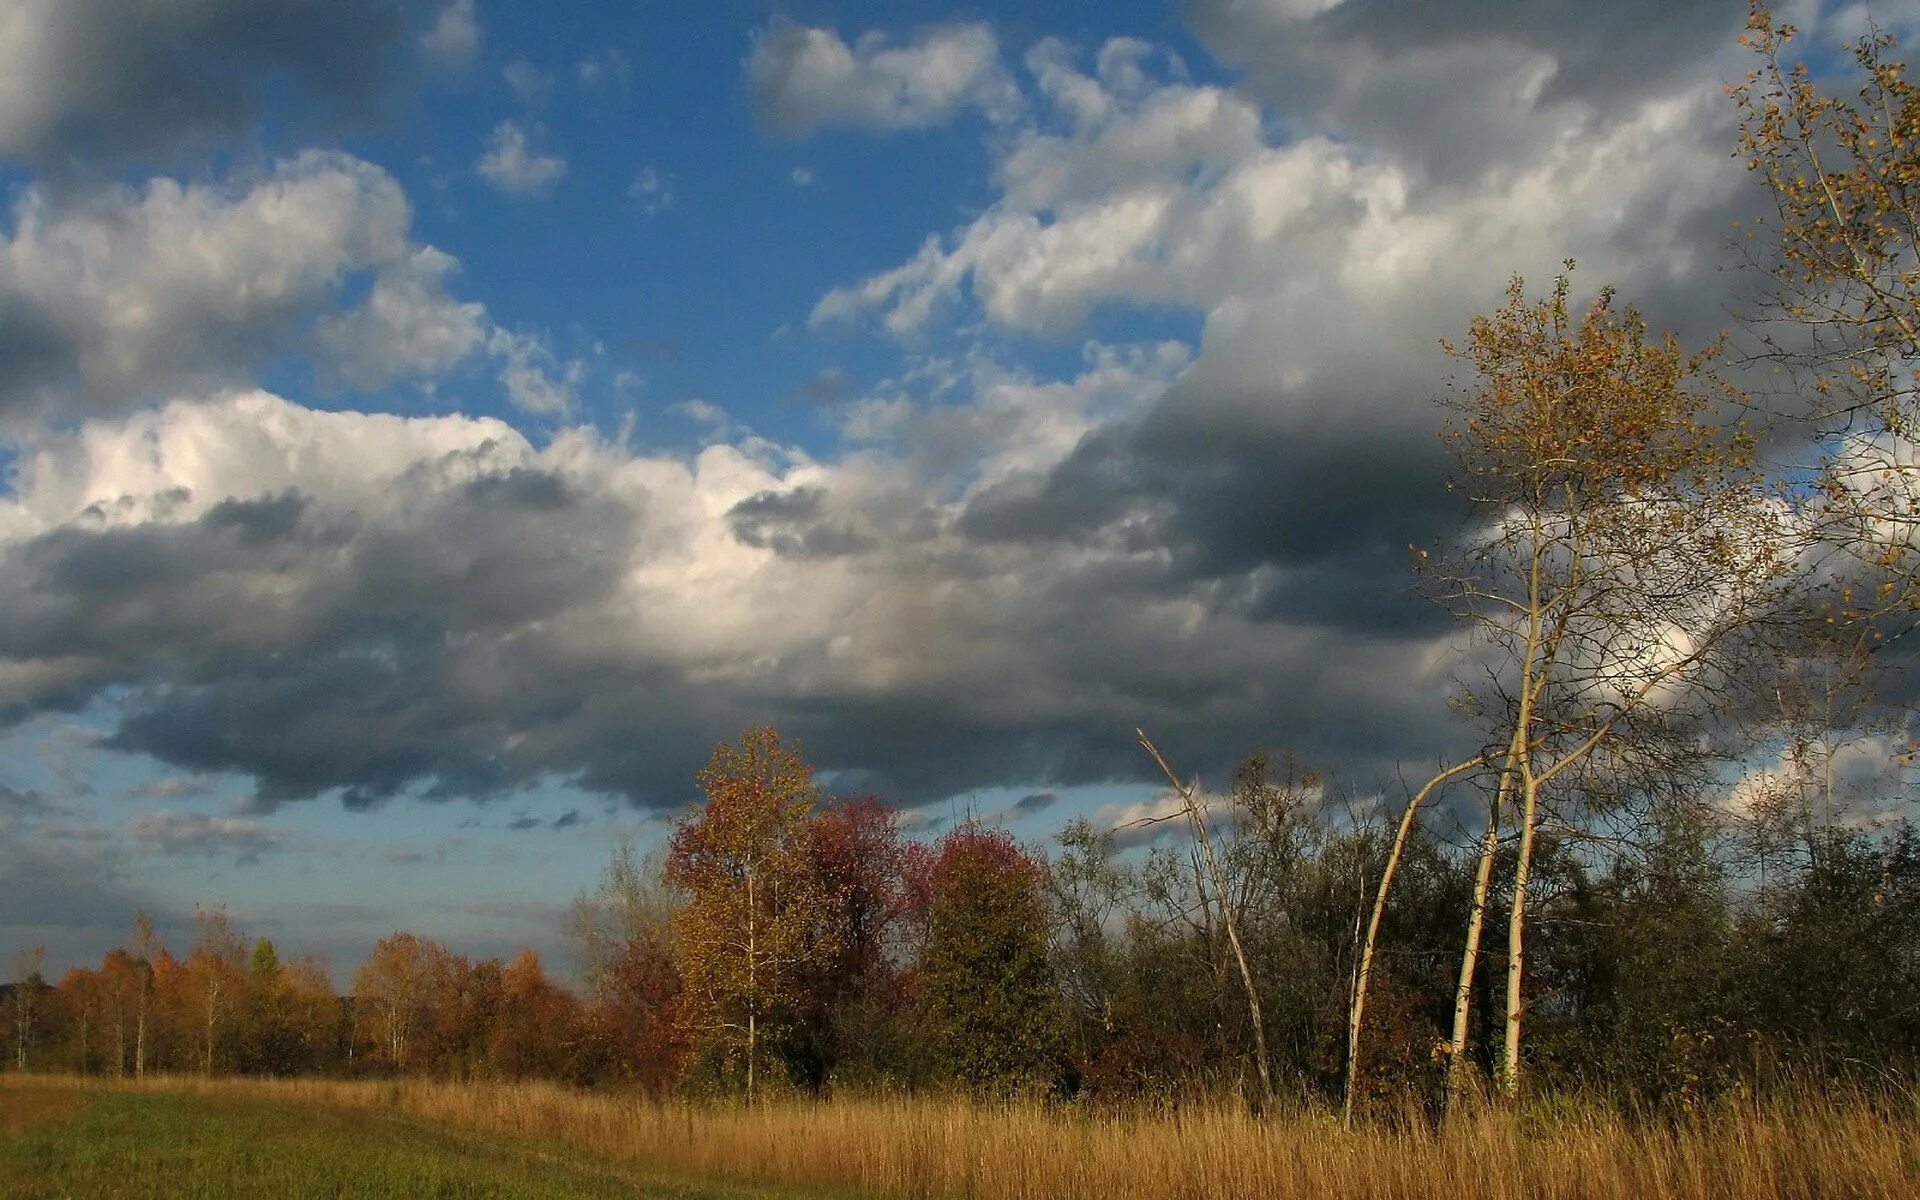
column 513, row 166
column 993, row 576
column 653, row 190
column 24, row 803
column 535, row 379
column 804, row 78
column 171, row 787
column 1036, row 802
column 605, row 70
column 125, row 294
column 407, row 325
column 372, row 605
column 452, row 43
column 529, row 83
column 73, row 895
column 198, row 835
column 1294, row 462
column 85, row 82
column 830, row 386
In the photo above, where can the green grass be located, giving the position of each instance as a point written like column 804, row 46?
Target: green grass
column 156, row 1145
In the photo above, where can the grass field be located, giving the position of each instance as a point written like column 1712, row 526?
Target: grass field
column 317, row 1138
column 62, row 1142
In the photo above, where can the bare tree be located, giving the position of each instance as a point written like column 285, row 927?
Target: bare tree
column 1197, row 821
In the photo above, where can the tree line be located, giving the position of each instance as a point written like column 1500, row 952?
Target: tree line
column 791, row 942
column 1650, row 870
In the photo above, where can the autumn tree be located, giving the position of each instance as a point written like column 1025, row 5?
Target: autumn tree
column 847, row 993
column 1624, row 544
column 216, row 973
column 29, row 991
column 987, row 1003
column 122, row 982
column 460, row 1007
column 535, row 1032
column 753, row 916
column 80, row 996
column 1842, row 253
column 390, row 992
column 622, row 930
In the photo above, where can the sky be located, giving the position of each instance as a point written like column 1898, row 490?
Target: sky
column 430, row 425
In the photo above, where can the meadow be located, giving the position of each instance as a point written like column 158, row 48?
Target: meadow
column 189, row 1137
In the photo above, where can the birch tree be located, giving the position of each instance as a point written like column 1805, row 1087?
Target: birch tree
column 28, row 984
column 144, row 946
column 217, row 975
column 1624, row 545
column 390, row 991
column 754, row 903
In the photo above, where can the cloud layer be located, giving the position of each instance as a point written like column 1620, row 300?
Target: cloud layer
column 993, row 573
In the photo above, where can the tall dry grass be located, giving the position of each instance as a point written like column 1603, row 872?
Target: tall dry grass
column 1831, row 1146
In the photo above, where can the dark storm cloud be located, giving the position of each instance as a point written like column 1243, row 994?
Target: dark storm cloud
column 1036, row 802
column 95, row 81
column 1227, row 495
column 320, row 650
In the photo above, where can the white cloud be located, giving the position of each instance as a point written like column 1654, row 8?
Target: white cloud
column 801, row 177
column 603, row 71
column 453, row 41
column 805, row 78
column 512, row 165
column 653, row 189
column 535, row 379
column 1171, row 193
column 528, row 82
column 407, row 325
column 128, row 293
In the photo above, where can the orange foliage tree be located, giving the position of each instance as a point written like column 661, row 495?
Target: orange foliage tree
column 755, row 904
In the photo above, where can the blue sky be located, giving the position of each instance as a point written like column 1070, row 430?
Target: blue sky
column 432, row 425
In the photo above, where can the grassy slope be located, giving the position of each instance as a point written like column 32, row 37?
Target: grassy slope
column 157, row 1145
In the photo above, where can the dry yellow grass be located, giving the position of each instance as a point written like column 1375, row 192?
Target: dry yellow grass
column 942, row 1148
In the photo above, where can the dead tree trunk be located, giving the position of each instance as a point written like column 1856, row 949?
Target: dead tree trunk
column 1199, row 824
